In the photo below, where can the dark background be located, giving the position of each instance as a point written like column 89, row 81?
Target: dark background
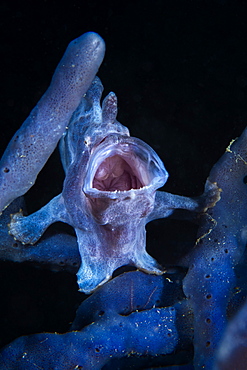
column 179, row 69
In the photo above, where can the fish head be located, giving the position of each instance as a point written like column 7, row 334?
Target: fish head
column 122, row 175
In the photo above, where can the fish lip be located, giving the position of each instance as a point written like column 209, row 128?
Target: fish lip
column 124, row 146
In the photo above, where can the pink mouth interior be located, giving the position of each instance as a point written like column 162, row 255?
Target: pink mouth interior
column 114, row 173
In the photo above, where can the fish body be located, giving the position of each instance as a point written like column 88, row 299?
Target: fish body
column 111, row 179
column 108, row 193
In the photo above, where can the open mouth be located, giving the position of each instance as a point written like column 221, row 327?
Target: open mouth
column 114, row 173
column 121, row 164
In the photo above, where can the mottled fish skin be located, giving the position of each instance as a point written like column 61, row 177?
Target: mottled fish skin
column 109, row 192
column 37, row 138
column 109, row 224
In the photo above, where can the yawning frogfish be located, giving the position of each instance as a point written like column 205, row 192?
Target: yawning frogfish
column 109, row 193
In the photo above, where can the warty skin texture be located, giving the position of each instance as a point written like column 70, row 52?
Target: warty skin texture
column 109, row 193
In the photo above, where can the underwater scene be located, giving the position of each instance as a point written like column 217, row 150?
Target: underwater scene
column 122, row 193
